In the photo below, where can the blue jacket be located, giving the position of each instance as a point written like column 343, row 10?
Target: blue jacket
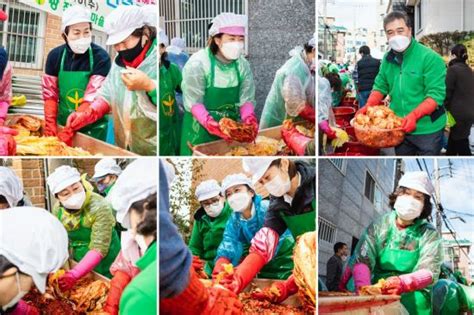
column 179, row 60
column 239, row 232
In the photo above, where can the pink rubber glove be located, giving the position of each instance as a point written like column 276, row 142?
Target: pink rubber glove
column 3, row 112
column 7, row 142
column 86, row 265
column 346, row 276
column 95, row 82
column 408, row 283
column 98, row 109
column 285, row 288
column 324, row 127
column 22, row 308
column 425, row 108
column 201, row 114
column 247, row 114
column 361, row 274
column 262, row 250
column 308, row 113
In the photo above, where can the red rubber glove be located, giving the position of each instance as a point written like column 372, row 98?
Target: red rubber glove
column 425, row 108
column 197, row 263
column 219, row 266
column 247, row 114
column 50, row 118
column 117, row 285
column 375, row 98
column 23, row 308
column 88, row 114
column 245, row 273
column 7, row 142
column 327, row 130
column 296, row 141
column 196, row 299
column 285, row 289
column 408, row 283
column 66, row 135
column 308, row 113
column 201, row 114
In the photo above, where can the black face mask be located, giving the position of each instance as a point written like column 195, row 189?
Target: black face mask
column 130, row 54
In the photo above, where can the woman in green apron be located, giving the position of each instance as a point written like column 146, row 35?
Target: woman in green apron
column 89, row 222
column 74, row 72
column 292, row 188
column 248, row 217
column 170, row 82
column 217, row 83
column 134, row 198
column 401, row 247
column 130, row 90
column 209, row 224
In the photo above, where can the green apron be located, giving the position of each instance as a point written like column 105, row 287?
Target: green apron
column 301, row 223
column 395, row 262
column 80, row 239
column 169, row 140
column 72, row 86
column 220, row 102
column 281, row 266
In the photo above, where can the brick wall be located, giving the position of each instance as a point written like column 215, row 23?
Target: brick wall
column 52, row 39
column 31, row 172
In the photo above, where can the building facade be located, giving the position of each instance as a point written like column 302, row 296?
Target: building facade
column 352, row 193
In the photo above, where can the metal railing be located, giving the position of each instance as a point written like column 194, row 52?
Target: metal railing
column 189, row 19
column 23, row 34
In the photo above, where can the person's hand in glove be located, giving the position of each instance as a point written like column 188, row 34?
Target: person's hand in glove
column 425, row 108
column 197, row 263
column 117, row 285
column 248, row 117
column 375, row 98
column 86, row 265
column 407, row 283
column 23, row 308
column 278, row 292
column 219, row 267
column 88, row 114
column 308, row 113
column 201, row 114
column 327, row 130
column 3, row 112
column 66, row 135
column 50, row 118
column 296, row 141
column 361, row 274
column 7, row 142
column 136, row 80
column 196, row 299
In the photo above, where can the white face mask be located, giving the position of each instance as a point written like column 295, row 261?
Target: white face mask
column 399, row 43
column 140, row 239
column 239, row 201
column 214, row 209
column 232, row 50
column 344, row 257
column 277, row 186
column 17, row 297
column 80, row 46
column 76, row 201
column 408, row 208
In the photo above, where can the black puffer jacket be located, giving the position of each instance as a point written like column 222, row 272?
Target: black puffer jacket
column 367, row 69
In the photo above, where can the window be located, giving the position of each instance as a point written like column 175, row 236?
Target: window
column 190, row 19
column 326, row 230
column 340, row 164
column 369, row 187
column 23, row 34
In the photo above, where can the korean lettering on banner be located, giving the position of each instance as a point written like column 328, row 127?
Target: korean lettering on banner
column 99, row 8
